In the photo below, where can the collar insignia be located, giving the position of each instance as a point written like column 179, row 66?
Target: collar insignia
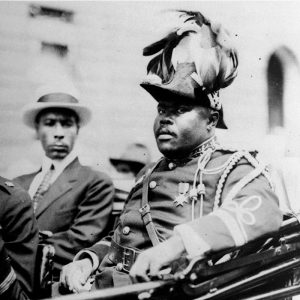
column 9, row 183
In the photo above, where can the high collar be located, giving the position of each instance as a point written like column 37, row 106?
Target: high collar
column 210, row 143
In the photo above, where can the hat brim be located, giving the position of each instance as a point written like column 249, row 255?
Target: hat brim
column 159, row 93
column 135, row 164
column 30, row 111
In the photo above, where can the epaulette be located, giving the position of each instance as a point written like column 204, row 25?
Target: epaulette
column 232, row 150
column 226, row 149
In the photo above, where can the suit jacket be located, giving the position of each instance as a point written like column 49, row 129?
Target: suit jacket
column 76, row 208
column 226, row 219
column 18, row 239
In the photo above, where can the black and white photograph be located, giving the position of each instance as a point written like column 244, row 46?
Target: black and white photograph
column 149, row 150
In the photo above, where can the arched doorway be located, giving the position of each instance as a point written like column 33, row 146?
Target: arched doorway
column 283, row 79
column 275, row 75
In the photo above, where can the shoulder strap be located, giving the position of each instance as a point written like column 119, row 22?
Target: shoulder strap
column 145, row 208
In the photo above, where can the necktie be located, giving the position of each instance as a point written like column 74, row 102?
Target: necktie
column 43, row 187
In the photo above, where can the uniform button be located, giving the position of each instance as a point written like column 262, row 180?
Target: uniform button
column 171, row 166
column 152, row 184
column 126, row 230
column 119, row 267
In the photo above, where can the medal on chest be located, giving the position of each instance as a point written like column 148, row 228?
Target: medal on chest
column 183, row 196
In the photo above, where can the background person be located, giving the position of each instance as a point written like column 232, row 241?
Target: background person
column 18, row 243
column 71, row 201
column 134, row 158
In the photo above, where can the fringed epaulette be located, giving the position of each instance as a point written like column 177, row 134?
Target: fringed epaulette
column 259, row 169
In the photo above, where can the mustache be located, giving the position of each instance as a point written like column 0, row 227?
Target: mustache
column 164, row 130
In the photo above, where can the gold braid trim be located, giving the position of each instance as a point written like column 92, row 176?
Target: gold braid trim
column 234, row 159
column 243, row 182
column 231, row 162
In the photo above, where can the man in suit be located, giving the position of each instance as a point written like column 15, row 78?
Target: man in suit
column 200, row 197
column 72, row 203
column 18, row 243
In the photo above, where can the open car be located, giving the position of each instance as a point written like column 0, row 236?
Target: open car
column 267, row 268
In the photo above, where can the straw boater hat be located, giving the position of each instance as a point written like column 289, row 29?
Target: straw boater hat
column 196, row 60
column 54, row 95
column 136, row 154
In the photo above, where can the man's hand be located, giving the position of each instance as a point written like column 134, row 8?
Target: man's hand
column 74, row 275
column 152, row 260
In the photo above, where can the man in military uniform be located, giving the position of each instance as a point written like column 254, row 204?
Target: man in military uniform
column 200, row 197
column 18, row 242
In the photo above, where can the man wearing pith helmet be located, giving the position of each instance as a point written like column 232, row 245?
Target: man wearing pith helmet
column 72, row 203
column 200, row 197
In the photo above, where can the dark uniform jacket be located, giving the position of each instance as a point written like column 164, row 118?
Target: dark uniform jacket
column 76, row 208
column 18, row 241
column 239, row 205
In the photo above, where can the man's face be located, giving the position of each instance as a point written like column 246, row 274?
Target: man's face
column 57, row 131
column 125, row 170
column 180, row 127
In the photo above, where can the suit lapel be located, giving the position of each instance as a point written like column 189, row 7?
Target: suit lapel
column 62, row 185
column 26, row 180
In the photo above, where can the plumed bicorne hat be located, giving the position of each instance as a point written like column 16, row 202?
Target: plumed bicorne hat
column 56, row 95
column 195, row 61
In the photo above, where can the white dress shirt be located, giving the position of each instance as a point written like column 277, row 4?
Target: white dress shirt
column 59, row 166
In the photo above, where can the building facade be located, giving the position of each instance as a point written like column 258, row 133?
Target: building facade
column 98, row 45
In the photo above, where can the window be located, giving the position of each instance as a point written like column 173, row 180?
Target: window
column 275, row 76
column 57, row 49
column 45, row 11
column 283, row 78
